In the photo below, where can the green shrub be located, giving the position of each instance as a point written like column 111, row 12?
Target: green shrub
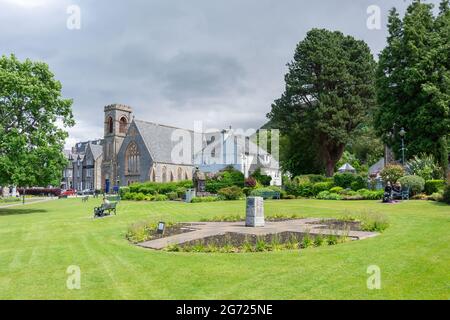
column 321, row 186
column 424, row 166
column 337, row 190
column 358, row 183
column 181, row 191
column 123, row 191
column 446, row 195
column 416, row 184
column 326, row 195
column 204, row 199
column 138, row 196
column 370, row 195
column 160, row 197
column 231, row 193
column 437, row 196
column 266, row 193
column 392, row 173
column 173, row 196
column 261, row 178
column 434, row 186
column 310, row 178
column 344, row 180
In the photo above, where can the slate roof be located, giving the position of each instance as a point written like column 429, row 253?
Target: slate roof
column 158, row 140
column 96, row 150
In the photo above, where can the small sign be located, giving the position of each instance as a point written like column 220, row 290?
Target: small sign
column 161, row 228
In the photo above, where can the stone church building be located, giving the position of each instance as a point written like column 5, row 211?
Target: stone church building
column 138, row 151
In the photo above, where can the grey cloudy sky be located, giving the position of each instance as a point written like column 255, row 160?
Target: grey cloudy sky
column 176, row 61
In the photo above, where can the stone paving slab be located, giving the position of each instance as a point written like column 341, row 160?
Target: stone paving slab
column 208, row 229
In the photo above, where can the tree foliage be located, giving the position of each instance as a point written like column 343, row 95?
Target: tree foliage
column 413, row 81
column 31, row 142
column 329, row 93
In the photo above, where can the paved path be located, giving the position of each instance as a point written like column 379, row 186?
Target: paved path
column 27, row 202
column 208, row 229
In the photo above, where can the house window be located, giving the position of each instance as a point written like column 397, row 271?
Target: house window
column 132, row 159
column 123, row 125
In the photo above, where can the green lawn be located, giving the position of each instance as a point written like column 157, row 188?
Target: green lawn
column 39, row 241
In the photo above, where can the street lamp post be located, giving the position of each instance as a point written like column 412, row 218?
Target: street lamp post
column 402, row 135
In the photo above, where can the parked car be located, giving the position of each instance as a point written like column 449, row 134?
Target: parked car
column 86, row 192
column 68, row 192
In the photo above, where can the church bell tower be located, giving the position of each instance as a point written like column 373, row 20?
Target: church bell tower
column 117, row 119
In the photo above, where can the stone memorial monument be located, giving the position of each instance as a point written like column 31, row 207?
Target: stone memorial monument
column 255, row 212
column 199, row 180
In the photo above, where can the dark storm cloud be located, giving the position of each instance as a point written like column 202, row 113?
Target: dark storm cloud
column 176, row 61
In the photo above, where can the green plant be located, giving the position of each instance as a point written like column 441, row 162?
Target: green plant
column 433, row 186
column 437, row 196
column 275, row 243
column 173, row 248
column 247, row 246
column 231, row 193
column 319, row 240
column 392, row 173
column 173, row 196
column 321, row 186
column 344, row 180
column 204, row 199
column 416, row 184
column 446, row 195
column 373, row 221
column 326, row 195
column 160, row 197
column 261, row 178
column 332, row 239
column 261, row 245
column 359, row 183
column 307, row 241
column 424, row 166
column 337, row 190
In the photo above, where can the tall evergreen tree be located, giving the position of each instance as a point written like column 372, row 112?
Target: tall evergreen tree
column 329, row 93
column 413, row 83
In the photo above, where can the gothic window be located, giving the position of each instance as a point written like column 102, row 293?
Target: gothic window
column 179, row 174
column 171, row 176
column 186, row 177
column 153, row 175
column 110, row 125
column 123, row 125
column 164, row 174
column 132, row 159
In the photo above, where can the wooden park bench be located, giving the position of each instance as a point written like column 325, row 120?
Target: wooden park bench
column 105, row 210
column 85, row 199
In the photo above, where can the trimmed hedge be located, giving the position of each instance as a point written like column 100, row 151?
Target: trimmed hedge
column 154, row 188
